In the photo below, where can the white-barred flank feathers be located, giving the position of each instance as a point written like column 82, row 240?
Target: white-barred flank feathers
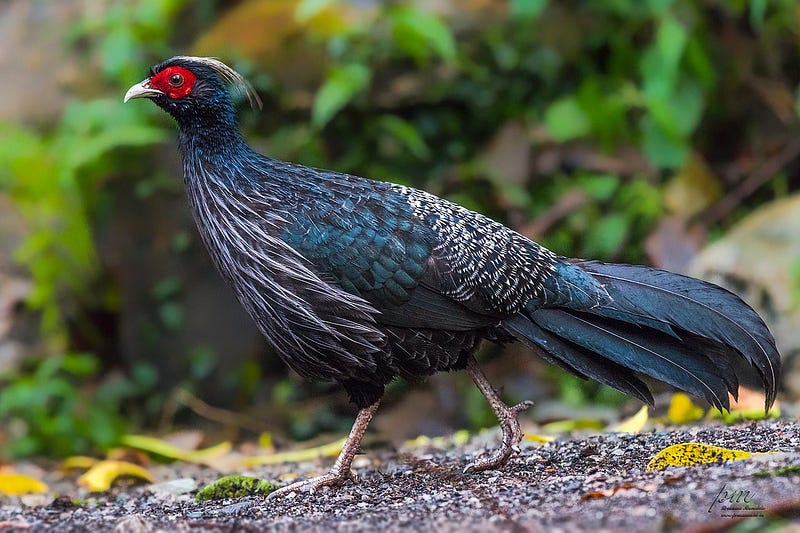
column 486, row 259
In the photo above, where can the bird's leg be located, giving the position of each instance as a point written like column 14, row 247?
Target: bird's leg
column 340, row 473
column 507, row 416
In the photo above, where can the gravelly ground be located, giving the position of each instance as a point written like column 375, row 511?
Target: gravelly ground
column 554, row 487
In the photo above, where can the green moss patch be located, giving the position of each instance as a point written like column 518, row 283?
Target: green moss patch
column 235, row 487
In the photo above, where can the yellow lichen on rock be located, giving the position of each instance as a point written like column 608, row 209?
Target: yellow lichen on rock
column 693, row 453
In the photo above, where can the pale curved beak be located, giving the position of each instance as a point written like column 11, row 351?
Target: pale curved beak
column 141, row 90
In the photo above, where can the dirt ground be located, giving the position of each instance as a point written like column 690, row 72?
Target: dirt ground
column 572, row 484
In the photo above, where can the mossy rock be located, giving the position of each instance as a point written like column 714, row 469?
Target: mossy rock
column 782, row 471
column 235, row 487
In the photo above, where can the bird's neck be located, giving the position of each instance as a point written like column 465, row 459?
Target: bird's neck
column 214, row 151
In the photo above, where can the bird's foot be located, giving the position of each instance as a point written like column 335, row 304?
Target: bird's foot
column 340, row 473
column 331, row 479
column 512, row 435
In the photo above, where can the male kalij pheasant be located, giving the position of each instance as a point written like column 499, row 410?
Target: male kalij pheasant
column 358, row 281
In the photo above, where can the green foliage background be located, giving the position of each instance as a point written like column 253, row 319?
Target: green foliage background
column 406, row 95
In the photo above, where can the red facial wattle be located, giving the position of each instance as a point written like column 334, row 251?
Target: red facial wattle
column 175, row 82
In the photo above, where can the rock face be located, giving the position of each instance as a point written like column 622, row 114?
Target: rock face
column 759, row 260
column 18, row 327
column 135, row 239
column 33, row 55
column 173, row 304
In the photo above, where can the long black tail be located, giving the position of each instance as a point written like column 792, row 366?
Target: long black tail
column 609, row 321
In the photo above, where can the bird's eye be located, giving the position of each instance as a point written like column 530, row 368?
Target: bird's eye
column 176, row 80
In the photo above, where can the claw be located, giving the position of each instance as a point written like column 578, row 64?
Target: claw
column 331, row 479
column 521, row 406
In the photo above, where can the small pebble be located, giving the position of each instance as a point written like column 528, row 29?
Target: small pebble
column 174, row 487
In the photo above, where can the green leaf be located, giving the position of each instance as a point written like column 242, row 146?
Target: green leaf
column 605, row 237
column 203, row 361
column 422, row 35
column 527, row 9
column 167, row 288
column 342, row 85
column 171, row 315
column 680, row 112
column 566, row 120
column 671, row 41
column 662, row 149
column 699, row 63
column 659, row 63
column 407, row 134
column 758, row 11
column 657, row 7
column 95, row 146
column 598, row 186
column 80, row 364
column 115, row 50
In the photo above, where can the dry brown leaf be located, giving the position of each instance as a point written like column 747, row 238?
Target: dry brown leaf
column 128, row 454
column 186, row 440
column 692, row 189
column 596, row 494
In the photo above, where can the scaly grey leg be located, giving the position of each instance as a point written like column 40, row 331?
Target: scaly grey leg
column 340, row 473
column 507, row 416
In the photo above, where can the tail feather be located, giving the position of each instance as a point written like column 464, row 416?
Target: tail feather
column 664, row 358
column 577, row 360
column 720, row 355
column 677, row 329
column 641, row 295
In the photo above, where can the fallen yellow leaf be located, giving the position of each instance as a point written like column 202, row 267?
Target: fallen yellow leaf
column 13, row 484
column 692, row 188
column 164, row 449
column 563, row 426
column 265, row 441
column 78, row 461
column 633, row 424
column 539, row 438
column 101, row 476
column 459, row 438
column 682, row 410
column 693, row 453
column 308, row 454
